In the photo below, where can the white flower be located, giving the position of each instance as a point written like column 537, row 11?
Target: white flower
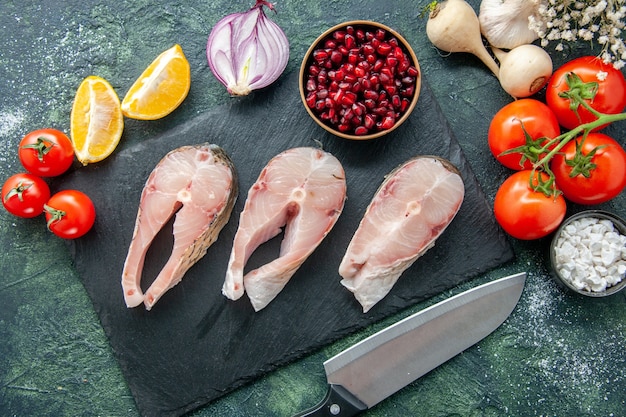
column 601, row 75
column 601, row 21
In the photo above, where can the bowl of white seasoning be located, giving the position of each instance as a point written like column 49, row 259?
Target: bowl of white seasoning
column 588, row 253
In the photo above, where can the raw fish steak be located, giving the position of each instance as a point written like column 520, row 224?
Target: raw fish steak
column 199, row 184
column 302, row 190
column 413, row 206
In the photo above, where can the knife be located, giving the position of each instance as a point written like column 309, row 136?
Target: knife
column 378, row 366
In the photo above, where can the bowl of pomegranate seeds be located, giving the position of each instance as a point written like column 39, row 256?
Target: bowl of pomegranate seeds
column 360, row 80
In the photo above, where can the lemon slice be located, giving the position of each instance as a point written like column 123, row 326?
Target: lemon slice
column 161, row 88
column 96, row 121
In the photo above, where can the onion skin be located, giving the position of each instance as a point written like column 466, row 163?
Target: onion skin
column 247, row 51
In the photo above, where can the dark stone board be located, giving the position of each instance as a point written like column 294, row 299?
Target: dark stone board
column 195, row 345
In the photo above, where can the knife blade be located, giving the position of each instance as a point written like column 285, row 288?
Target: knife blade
column 383, row 363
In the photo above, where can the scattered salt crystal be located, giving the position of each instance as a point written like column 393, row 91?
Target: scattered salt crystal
column 590, row 254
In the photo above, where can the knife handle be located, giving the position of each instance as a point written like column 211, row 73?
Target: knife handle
column 339, row 402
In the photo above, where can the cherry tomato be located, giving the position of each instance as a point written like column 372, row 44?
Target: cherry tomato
column 46, row 152
column 600, row 171
column 70, row 214
column 511, row 125
column 25, row 194
column 609, row 98
column 525, row 213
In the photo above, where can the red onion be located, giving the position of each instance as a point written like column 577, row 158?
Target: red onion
column 247, row 51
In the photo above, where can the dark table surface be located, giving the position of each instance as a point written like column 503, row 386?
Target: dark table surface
column 558, row 354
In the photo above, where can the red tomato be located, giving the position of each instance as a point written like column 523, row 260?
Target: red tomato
column 46, row 152
column 525, row 213
column 506, row 132
column 609, row 98
column 70, row 214
column 24, row 195
column 590, row 185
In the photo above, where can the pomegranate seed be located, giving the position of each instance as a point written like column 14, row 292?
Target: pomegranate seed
column 329, row 103
column 360, row 34
column 391, row 61
column 349, row 98
column 380, row 34
column 311, row 86
column 370, row 58
column 353, row 56
column 398, row 53
column 370, row 94
column 350, row 29
column 393, row 42
column 368, row 49
column 408, row 92
column 369, row 121
column 387, row 71
column 330, row 44
column 403, row 65
column 361, row 130
column 366, row 84
column 323, row 93
column 339, row 35
column 412, row 71
column 336, row 57
column 320, row 55
column 359, row 108
column 344, row 127
column 387, row 123
column 391, row 89
column 344, row 49
column 320, row 105
column 384, row 49
column 351, row 78
column 333, row 86
column 405, row 105
column 349, row 41
column 314, row 70
column 378, row 65
column 369, row 36
column 310, row 100
column 375, row 43
column 356, row 87
column 369, row 103
column 396, row 101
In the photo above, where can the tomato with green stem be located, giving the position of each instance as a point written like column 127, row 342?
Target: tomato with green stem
column 590, row 169
column 529, row 210
column 518, row 132
column 70, row 214
column 46, row 152
column 24, row 195
column 582, row 89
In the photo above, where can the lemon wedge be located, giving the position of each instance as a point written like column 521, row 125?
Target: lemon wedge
column 96, row 121
column 161, row 88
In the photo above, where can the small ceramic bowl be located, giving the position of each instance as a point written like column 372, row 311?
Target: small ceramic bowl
column 559, row 257
column 340, row 100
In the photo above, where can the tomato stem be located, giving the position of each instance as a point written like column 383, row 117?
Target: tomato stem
column 42, row 146
column 18, row 191
column 55, row 215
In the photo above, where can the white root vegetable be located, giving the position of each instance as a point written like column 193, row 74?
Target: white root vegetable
column 505, row 23
column 524, row 70
column 453, row 27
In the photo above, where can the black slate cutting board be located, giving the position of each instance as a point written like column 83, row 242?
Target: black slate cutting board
column 194, row 345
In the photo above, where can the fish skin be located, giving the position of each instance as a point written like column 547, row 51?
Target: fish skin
column 300, row 189
column 393, row 232
column 199, row 184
